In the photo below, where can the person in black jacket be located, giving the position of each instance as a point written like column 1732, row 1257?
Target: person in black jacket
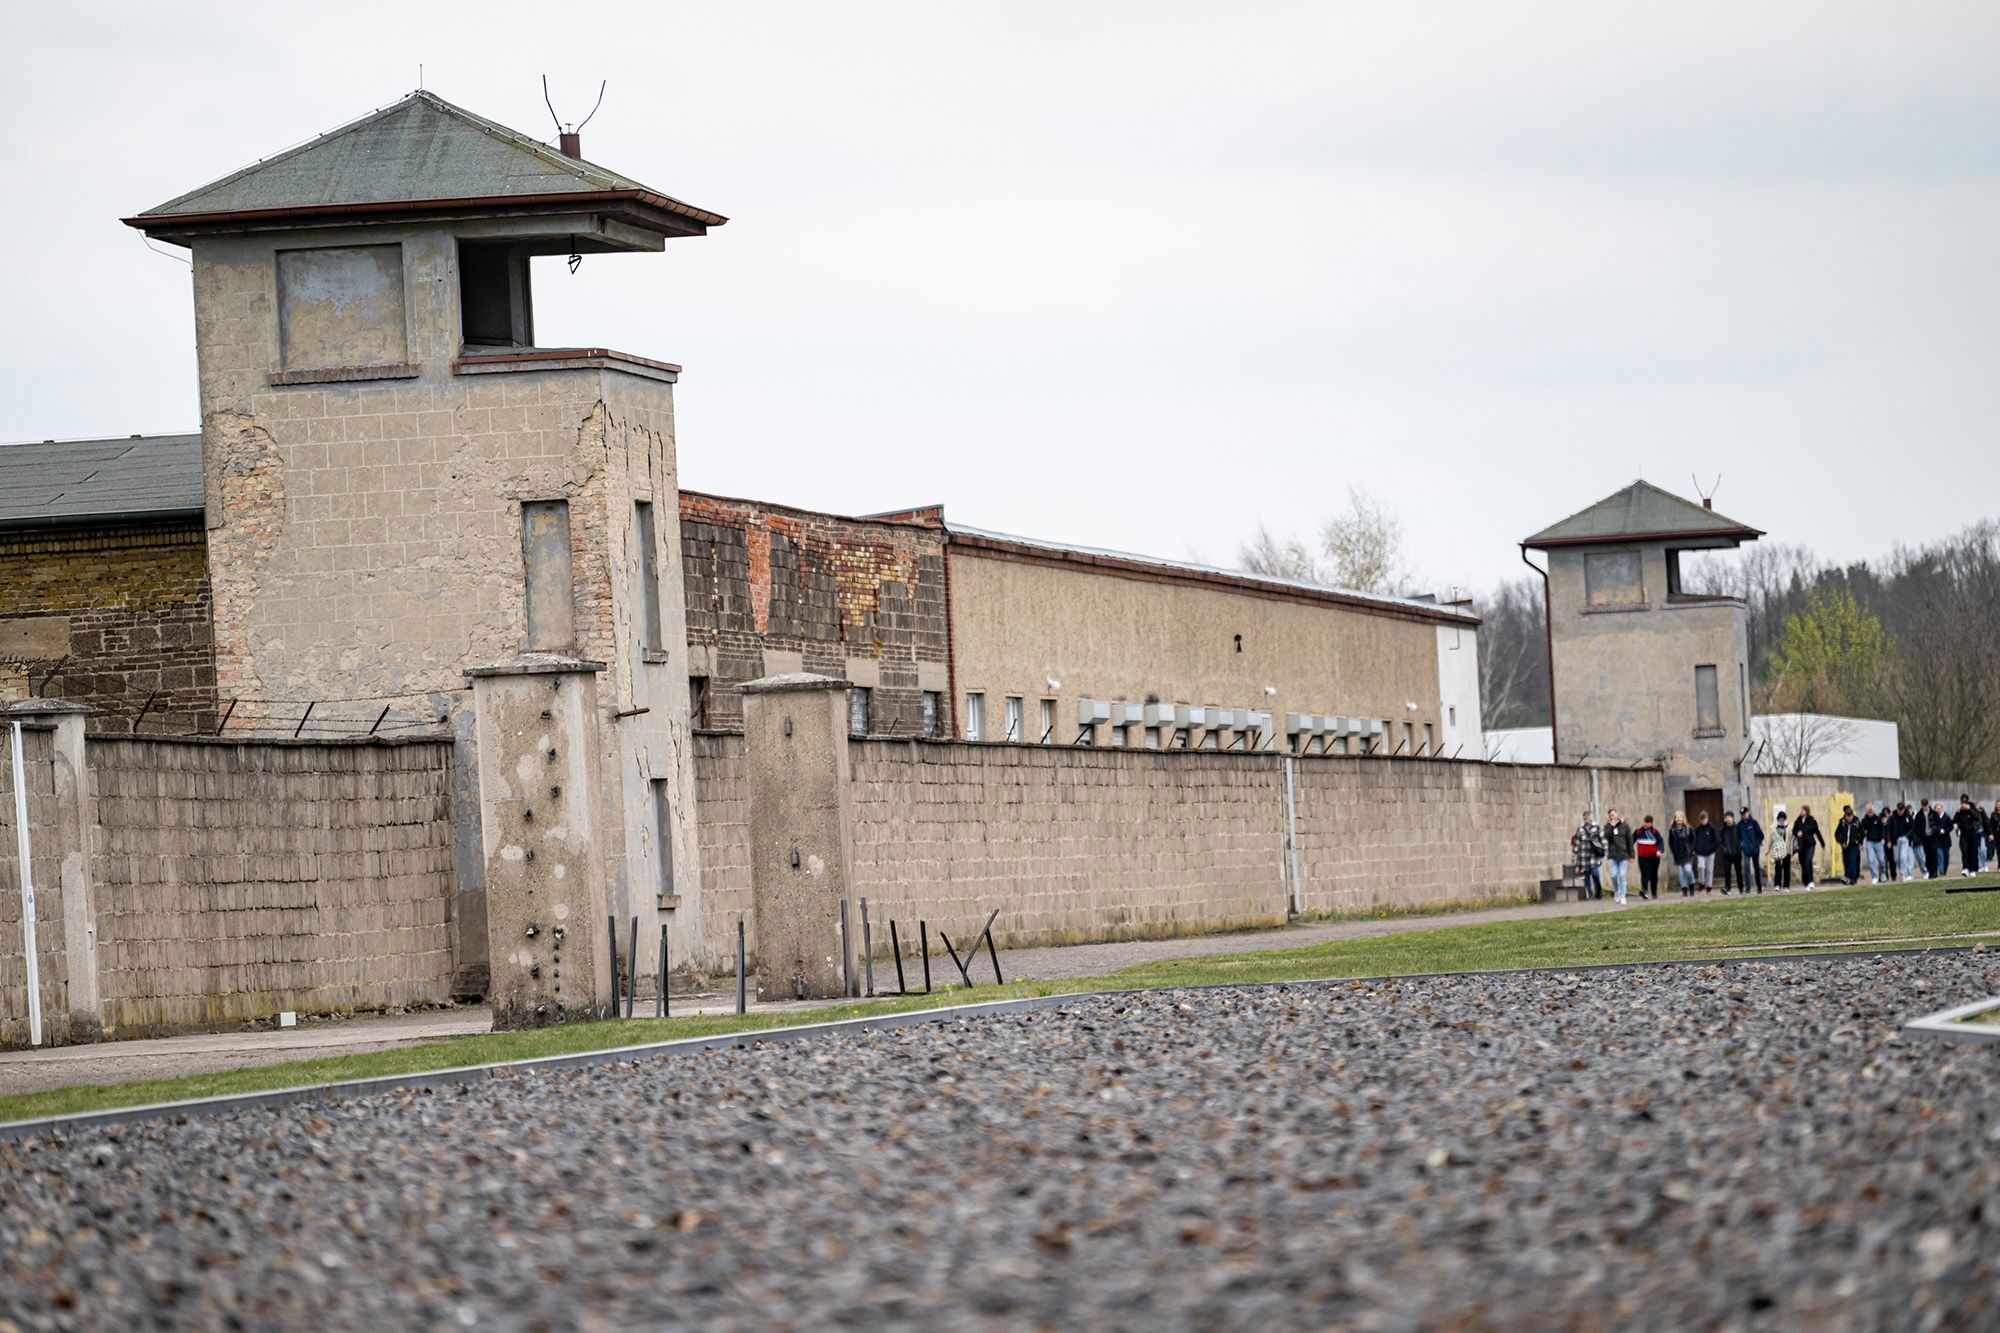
column 1895, row 840
column 1680, row 844
column 1706, row 844
column 1937, row 839
column 1971, row 826
column 1729, row 852
column 1847, row 836
column 1750, row 834
column 1993, row 836
column 1806, row 840
column 1871, row 845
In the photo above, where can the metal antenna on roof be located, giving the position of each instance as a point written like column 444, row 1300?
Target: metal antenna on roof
column 561, row 126
column 1707, row 496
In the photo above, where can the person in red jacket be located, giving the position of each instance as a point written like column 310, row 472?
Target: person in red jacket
column 1646, row 846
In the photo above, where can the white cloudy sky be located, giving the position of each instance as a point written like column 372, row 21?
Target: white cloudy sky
column 1140, row 275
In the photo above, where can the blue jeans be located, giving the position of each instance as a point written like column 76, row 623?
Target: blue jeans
column 1686, row 869
column 1871, row 856
column 1906, row 860
column 1592, row 884
column 1618, row 872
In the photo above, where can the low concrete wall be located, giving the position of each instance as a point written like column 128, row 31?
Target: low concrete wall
column 1082, row 844
column 1819, row 792
column 226, row 881
column 1400, row 833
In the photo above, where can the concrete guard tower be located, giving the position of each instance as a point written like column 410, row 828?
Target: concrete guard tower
column 402, row 485
column 1639, row 670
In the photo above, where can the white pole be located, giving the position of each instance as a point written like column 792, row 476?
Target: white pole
column 1298, row 903
column 27, row 892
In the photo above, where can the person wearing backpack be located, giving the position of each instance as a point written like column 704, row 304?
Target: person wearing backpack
column 1781, row 853
column 1646, row 847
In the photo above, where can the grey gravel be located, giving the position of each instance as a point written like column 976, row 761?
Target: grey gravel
column 1749, row 1145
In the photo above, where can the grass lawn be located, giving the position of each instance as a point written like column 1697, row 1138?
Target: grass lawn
column 1893, row 915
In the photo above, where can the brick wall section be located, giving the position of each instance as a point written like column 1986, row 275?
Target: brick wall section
column 237, row 879
column 1081, row 844
column 828, row 588
column 1070, row 844
column 1412, row 833
column 50, row 949
column 721, row 769
column 130, row 607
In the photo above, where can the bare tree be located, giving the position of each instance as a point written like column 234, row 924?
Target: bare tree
column 1794, row 742
column 1513, row 656
column 1944, row 684
column 1364, row 546
column 1280, row 557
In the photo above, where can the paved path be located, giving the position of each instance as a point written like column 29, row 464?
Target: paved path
column 172, row 1057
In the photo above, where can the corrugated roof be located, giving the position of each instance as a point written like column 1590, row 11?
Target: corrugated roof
column 74, row 481
column 420, row 148
column 1642, row 511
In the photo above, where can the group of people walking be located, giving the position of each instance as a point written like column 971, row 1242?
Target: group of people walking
column 1908, row 842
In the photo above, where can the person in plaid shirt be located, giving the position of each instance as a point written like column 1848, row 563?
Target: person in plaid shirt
column 1586, row 849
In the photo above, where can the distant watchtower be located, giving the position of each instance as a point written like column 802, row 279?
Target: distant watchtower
column 1639, row 669
column 401, row 484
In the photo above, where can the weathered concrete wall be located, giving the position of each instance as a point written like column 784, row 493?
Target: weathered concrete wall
column 1078, row 844
column 52, row 936
column 1019, row 624
column 1625, row 675
column 237, row 879
column 548, row 850
column 1422, row 833
column 111, row 616
column 365, row 535
column 855, row 599
column 801, row 834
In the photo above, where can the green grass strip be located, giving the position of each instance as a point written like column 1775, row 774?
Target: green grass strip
column 1843, row 920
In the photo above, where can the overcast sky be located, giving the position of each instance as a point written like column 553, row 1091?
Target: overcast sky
column 1141, row 275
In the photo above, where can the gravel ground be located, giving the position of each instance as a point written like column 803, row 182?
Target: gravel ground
column 1744, row 1145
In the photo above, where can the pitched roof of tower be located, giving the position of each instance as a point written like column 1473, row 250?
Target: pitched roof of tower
column 420, row 155
column 1643, row 512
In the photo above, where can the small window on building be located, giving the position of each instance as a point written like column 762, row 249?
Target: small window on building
column 975, row 717
column 1451, row 716
column 653, row 635
column 1015, row 720
column 1118, row 736
column 859, row 700
column 1341, row 745
column 1707, row 703
column 1743, row 693
column 1430, row 738
column 495, row 309
column 698, row 701
column 933, row 713
column 342, row 308
column 1045, row 724
column 549, row 570
column 1409, row 738
column 1152, row 738
column 1611, row 578
column 663, row 831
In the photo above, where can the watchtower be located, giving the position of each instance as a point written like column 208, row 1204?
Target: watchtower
column 402, row 484
column 1640, row 669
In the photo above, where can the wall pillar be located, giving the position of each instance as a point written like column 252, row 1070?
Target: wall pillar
column 76, row 827
column 801, row 833
column 547, row 845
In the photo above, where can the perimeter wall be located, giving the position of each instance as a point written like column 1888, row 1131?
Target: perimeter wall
column 1076, row 844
